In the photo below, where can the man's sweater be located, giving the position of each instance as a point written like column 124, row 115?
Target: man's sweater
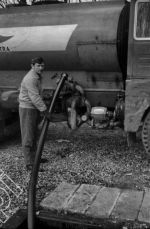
column 30, row 92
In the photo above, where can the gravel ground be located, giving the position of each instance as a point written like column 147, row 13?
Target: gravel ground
column 91, row 156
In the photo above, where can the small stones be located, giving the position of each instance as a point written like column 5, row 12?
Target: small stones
column 97, row 157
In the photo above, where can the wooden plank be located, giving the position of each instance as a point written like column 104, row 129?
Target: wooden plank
column 57, row 199
column 82, row 198
column 128, row 205
column 144, row 214
column 104, row 203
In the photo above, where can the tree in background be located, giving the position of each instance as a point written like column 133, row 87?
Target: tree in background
column 8, row 3
column 3, row 3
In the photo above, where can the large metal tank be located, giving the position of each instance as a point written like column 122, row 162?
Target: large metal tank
column 86, row 40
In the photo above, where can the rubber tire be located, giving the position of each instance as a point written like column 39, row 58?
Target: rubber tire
column 131, row 139
column 72, row 119
column 146, row 134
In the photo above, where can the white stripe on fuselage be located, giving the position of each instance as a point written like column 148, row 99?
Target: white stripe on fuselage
column 37, row 38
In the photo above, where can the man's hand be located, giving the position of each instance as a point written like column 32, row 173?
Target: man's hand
column 46, row 114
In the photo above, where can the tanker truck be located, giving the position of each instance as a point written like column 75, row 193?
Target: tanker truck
column 104, row 46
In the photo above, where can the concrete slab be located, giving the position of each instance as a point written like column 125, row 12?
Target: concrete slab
column 144, row 214
column 96, row 204
column 104, row 203
column 59, row 197
column 81, row 200
column 128, row 205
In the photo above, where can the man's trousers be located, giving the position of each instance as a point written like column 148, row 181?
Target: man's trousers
column 29, row 119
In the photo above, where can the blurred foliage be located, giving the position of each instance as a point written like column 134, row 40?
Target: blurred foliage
column 9, row 3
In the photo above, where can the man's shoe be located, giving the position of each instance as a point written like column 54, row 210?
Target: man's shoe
column 43, row 160
column 29, row 168
column 41, row 170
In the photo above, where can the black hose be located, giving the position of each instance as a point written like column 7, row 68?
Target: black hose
column 33, row 180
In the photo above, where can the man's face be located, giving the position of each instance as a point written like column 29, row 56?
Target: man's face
column 38, row 68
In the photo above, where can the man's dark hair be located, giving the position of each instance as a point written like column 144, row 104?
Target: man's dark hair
column 37, row 60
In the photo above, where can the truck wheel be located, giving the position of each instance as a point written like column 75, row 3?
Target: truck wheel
column 146, row 134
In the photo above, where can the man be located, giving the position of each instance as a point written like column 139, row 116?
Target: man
column 30, row 106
